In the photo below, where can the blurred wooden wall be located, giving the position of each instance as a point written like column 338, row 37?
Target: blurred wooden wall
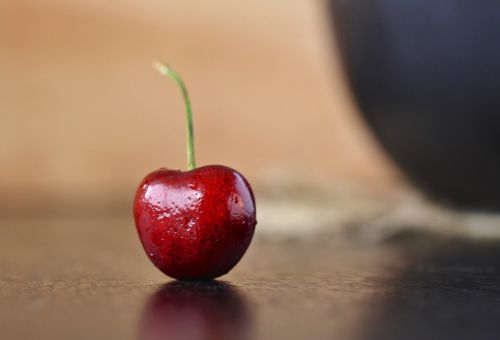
column 84, row 115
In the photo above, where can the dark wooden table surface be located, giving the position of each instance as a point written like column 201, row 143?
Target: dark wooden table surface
column 87, row 278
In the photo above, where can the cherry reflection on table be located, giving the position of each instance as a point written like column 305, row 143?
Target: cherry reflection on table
column 195, row 311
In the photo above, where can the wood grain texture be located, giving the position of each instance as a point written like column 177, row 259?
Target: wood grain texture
column 88, row 279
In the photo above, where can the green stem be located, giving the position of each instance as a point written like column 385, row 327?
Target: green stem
column 167, row 71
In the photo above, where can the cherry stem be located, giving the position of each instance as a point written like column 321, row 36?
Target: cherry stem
column 169, row 72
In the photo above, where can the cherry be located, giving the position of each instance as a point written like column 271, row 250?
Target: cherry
column 194, row 224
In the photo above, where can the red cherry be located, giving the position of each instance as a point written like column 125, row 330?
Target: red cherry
column 195, row 224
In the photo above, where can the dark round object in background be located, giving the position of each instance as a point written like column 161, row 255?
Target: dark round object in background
column 426, row 75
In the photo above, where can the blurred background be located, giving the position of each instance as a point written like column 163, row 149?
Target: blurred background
column 84, row 117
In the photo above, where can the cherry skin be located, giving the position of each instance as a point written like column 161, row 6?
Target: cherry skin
column 196, row 224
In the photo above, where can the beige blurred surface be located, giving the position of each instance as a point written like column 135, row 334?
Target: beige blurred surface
column 84, row 116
